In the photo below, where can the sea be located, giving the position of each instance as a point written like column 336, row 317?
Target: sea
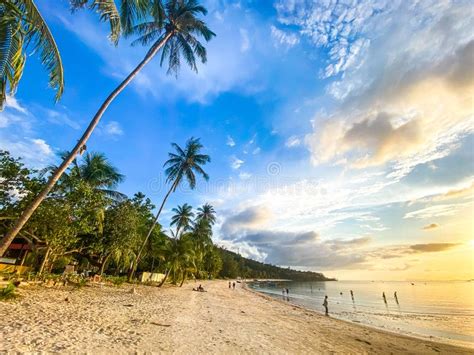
column 435, row 310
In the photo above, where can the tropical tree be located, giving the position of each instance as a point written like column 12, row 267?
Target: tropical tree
column 213, row 262
column 201, row 235
column 95, row 170
column 208, row 213
column 172, row 28
column 182, row 218
column 120, row 233
column 182, row 165
column 178, row 254
column 22, row 27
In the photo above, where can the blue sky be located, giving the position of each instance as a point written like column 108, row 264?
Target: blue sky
column 341, row 136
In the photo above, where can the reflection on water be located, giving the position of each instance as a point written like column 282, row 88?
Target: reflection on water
column 440, row 310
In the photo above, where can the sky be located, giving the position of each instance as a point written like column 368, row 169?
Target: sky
column 341, row 133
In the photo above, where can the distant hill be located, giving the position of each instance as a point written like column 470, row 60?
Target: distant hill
column 234, row 265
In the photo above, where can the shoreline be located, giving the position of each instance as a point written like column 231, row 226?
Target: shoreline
column 177, row 320
column 357, row 324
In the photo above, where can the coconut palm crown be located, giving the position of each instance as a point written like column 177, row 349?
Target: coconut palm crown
column 185, row 163
column 177, row 24
column 208, row 213
column 182, row 218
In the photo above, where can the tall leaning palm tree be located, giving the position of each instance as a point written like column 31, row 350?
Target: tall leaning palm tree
column 182, row 165
column 172, row 28
column 182, row 218
column 23, row 27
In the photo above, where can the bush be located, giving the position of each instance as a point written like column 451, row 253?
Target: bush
column 116, row 280
column 8, row 292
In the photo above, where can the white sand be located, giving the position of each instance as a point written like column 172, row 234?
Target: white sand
column 171, row 319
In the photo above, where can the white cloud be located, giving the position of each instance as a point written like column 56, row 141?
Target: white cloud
column 43, row 148
column 340, row 27
column 61, row 118
column 408, row 101
column 244, row 176
column 256, row 151
column 236, row 163
column 292, row 142
column 437, row 211
column 34, row 152
column 113, row 128
column 13, row 103
column 230, row 141
column 8, row 118
column 282, row 38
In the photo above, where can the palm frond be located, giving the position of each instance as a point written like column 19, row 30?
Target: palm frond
column 131, row 12
column 39, row 33
column 187, row 51
column 108, row 12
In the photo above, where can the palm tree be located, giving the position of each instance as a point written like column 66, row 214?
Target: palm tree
column 178, row 254
column 21, row 25
column 96, row 171
column 180, row 166
column 201, row 236
column 208, row 213
column 172, row 27
column 182, row 218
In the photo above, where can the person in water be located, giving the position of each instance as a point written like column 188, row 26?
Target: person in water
column 325, row 305
column 352, row 296
column 287, row 292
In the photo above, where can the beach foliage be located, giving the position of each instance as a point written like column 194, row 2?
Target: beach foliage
column 8, row 292
column 83, row 226
column 86, row 223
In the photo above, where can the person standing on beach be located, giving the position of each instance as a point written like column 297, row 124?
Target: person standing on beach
column 325, row 305
column 233, row 285
column 396, row 297
column 230, row 285
column 384, row 298
column 352, row 296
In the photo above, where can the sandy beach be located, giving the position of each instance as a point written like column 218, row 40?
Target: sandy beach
column 103, row 319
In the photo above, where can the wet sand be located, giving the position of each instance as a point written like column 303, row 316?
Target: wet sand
column 171, row 319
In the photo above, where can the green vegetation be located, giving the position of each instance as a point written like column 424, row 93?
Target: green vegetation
column 87, row 223
column 8, row 292
column 235, row 265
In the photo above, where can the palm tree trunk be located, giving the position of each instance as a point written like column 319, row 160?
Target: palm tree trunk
column 25, row 216
column 102, row 266
column 167, row 272
column 184, row 278
column 137, row 260
column 45, row 259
